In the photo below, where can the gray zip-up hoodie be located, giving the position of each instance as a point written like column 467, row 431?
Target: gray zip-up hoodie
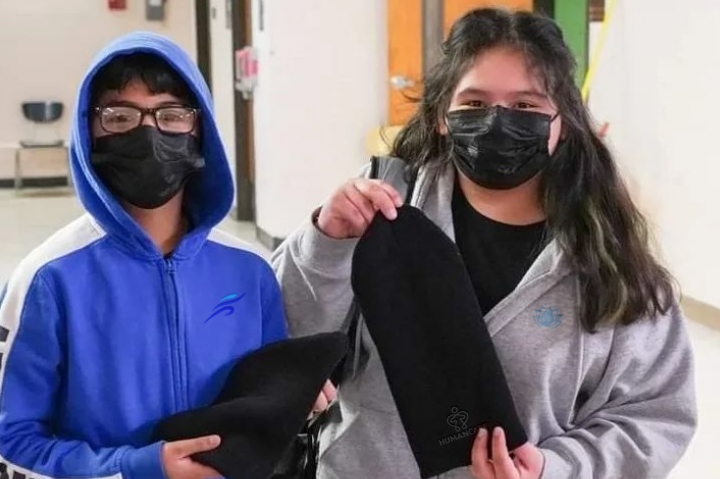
column 619, row 403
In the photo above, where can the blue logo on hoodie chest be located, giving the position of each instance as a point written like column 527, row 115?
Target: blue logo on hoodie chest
column 547, row 317
column 225, row 306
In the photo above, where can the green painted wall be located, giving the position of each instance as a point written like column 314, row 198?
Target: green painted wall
column 573, row 18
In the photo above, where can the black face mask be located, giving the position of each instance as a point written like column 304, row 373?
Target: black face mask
column 499, row 148
column 146, row 167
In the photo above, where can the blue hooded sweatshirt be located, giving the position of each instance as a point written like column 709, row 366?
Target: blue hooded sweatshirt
column 101, row 336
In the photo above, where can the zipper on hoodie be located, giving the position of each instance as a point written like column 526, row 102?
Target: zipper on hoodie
column 176, row 340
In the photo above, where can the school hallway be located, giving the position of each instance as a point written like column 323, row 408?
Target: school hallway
column 300, row 95
column 30, row 217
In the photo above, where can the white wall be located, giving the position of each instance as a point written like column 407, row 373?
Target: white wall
column 658, row 87
column 223, row 76
column 322, row 87
column 47, row 45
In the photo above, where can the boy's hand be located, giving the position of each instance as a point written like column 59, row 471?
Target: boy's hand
column 178, row 464
column 527, row 463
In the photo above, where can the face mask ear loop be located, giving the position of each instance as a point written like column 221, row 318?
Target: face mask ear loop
column 447, row 138
column 562, row 140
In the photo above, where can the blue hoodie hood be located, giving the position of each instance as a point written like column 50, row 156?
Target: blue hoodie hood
column 209, row 193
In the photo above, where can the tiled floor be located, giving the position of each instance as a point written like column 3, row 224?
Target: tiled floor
column 26, row 220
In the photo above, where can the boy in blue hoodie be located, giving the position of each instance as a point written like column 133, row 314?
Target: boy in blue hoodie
column 138, row 309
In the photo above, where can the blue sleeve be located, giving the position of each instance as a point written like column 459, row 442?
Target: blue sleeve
column 31, row 368
column 273, row 313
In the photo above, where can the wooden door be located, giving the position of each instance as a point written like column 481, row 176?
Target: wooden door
column 405, row 46
column 404, row 58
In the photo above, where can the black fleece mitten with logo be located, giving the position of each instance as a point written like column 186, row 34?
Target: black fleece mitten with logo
column 422, row 313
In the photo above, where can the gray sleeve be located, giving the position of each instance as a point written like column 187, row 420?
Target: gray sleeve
column 314, row 275
column 314, row 271
column 640, row 419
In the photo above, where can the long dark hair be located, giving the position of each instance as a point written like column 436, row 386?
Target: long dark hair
column 588, row 208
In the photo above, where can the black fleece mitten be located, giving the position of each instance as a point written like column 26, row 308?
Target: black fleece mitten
column 263, row 406
column 422, row 313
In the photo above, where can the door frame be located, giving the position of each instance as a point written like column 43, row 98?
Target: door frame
column 244, row 135
column 546, row 7
column 202, row 39
column 241, row 36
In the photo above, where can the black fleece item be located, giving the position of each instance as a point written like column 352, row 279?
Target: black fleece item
column 263, row 406
column 420, row 308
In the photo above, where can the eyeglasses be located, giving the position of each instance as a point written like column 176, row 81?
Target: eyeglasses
column 168, row 119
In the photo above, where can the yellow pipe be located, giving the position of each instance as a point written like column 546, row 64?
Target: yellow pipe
column 605, row 27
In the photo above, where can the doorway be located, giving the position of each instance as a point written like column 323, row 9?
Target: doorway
column 416, row 29
column 224, row 27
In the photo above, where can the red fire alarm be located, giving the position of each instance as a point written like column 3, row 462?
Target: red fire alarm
column 117, row 4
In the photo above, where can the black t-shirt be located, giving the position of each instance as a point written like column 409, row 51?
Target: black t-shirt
column 496, row 255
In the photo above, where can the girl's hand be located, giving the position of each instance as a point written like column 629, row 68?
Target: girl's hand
column 527, row 463
column 326, row 396
column 352, row 207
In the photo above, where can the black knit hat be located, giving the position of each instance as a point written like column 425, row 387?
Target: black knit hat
column 422, row 313
column 263, row 406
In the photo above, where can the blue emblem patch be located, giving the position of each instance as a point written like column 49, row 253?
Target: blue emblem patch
column 547, row 317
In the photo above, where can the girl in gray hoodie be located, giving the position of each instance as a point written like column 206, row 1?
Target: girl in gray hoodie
column 584, row 319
